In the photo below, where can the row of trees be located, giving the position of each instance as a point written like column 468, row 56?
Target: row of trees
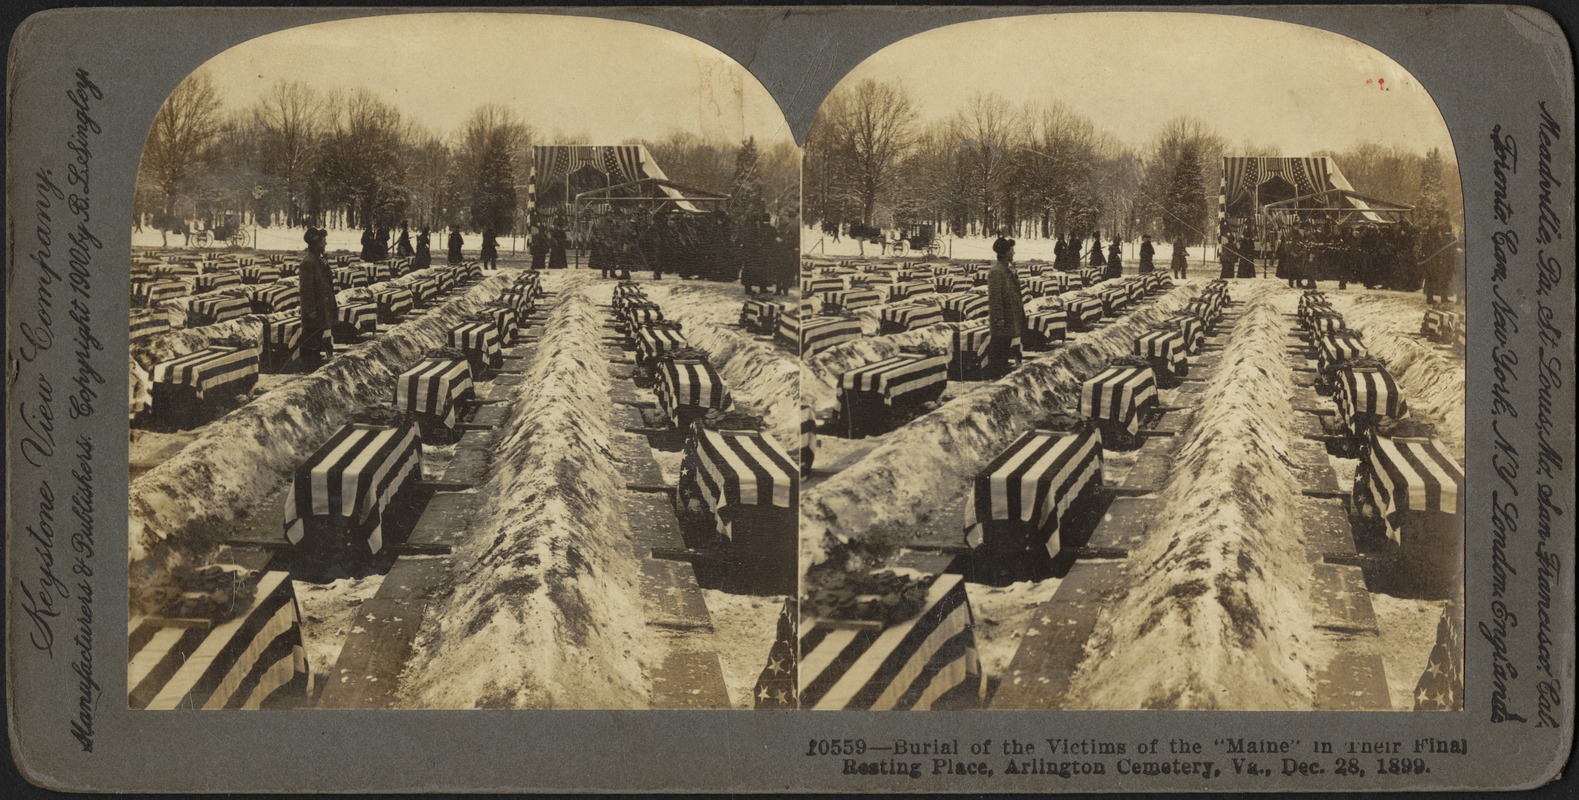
column 298, row 156
column 1043, row 169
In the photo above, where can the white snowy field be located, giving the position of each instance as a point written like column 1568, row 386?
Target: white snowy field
column 979, row 248
column 348, row 239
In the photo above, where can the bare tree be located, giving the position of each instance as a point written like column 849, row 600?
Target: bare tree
column 985, row 128
column 362, row 166
column 870, row 127
column 290, row 129
column 184, row 132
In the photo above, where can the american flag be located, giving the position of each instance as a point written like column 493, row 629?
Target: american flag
column 1441, row 686
column 776, row 688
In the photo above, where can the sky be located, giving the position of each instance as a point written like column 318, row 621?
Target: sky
column 573, row 75
column 1293, row 88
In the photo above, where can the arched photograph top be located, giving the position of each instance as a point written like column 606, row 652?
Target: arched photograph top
column 1135, row 373
column 433, row 340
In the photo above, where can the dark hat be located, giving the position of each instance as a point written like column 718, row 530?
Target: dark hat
column 315, row 234
column 1002, row 245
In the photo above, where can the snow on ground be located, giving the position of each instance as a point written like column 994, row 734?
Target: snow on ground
column 328, row 614
column 347, row 240
column 546, row 608
column 1430, row 376
column 180, row 509
column 746, row 626
column 920, row 470
column 1218, row 612
column 979, row 248
column 1004, row 615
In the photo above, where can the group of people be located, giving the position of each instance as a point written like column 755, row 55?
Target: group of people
column 693, row 246
column 548, row 246
column 1396, row 257
column 375, row 245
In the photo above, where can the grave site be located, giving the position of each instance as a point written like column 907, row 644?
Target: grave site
column 507, row 488
column 1189, row 494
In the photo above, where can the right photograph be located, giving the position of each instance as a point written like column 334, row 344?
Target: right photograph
column 1132, row 355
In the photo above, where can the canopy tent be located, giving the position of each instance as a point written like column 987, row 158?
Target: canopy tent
column 660, row 194
column 1258, row 190
column 563, row 173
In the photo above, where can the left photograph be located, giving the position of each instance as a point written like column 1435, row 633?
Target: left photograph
column 455, row 374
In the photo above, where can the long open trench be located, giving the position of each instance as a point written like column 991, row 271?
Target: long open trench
column 914, row 476
column 181, row 510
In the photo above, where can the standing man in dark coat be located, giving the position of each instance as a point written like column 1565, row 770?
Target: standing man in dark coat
column 383, row 243
column 1147, row 253
column 490, row 249
column 1059, row 260
column 1005, row 311
column 601, row 255
column 756, row 248
column 1440, row 262
column 316, row 285
column 455, row 245
column 1180, row 260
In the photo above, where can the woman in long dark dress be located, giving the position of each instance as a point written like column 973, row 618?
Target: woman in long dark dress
column 403, row 244
column 455, row 245
column 423, row 258
column 558, row 243
column 1147, row 253
column 369, row 245
column 1115, row 262
column 537, row 245
column 1247, row 264
column 1096, row 250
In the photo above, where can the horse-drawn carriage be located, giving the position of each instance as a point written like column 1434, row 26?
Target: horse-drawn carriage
column 918, row 239
column 228, row 231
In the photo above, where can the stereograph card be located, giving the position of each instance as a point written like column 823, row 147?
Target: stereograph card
column 817, row 399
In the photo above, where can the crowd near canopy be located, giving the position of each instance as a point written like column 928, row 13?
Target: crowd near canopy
column 564, row 174
column 1273, row 190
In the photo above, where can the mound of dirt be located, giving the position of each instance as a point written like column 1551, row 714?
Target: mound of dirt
column 545, row 611
column 1216, row 611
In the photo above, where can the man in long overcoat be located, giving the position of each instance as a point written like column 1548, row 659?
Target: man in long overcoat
column 317, row 298
column 1147, row 253
column 1005, row 311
